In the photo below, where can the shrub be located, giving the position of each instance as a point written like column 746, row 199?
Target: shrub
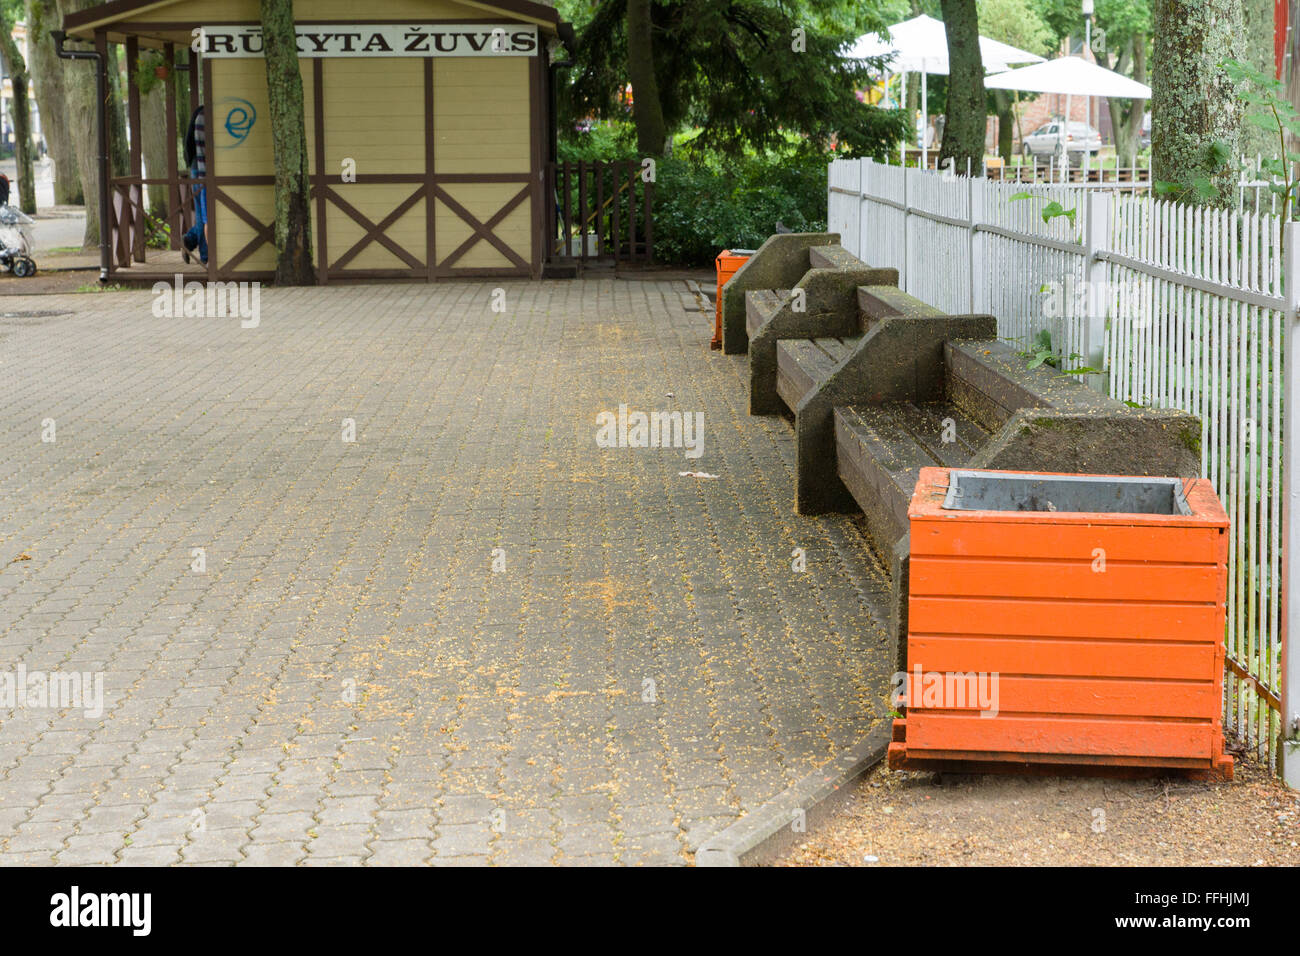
column 701, row 208
column 705, row 202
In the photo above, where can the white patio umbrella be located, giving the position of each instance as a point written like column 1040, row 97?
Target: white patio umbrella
column 1071, row 76
column 920, row 45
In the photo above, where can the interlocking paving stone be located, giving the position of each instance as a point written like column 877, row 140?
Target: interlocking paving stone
column 469, row 636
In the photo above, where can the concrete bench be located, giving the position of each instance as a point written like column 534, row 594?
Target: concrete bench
column 882, row 385
column 822, row 304
column 785, row 262
column 995, row 412
column 890, row 350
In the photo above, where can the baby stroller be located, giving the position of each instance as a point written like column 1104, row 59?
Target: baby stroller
column 15, row 236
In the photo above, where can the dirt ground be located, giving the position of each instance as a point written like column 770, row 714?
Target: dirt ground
column 54, row 273
column 905, row 819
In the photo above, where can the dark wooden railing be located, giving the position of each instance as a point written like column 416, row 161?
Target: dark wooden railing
column 603, row 211
column 127, row 223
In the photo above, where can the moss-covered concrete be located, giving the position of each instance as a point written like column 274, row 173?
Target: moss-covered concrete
column 829, row 308
column 779, row 263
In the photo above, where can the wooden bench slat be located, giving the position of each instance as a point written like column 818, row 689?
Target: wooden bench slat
column 761, row 305
column 928, row 426
column 800, row 367
column 988, row 381
column 876, row 302
column 879, row 462
column 837, row 348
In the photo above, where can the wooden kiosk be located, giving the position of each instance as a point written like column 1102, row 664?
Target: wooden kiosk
column 428, row 125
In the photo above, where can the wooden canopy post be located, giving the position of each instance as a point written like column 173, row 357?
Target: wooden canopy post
column 175, row 208
column 136, row 190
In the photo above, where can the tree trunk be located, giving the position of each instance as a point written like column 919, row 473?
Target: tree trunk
column 118, row 145
column 47, row 83
column 1006, row 125
column 964, row 120
column 288, row 132
column 20, row 111
column 1126, row 115
column 647, row 111
column 1196, row 104
column 83, row 115
column 154, row 145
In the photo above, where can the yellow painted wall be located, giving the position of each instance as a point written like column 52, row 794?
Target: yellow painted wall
column 375, row 116
column 481, row 114
column 238, row 82
column 481, row 124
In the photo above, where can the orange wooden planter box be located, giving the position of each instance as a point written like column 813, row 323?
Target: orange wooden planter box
column 1083, row 639
column 728, row 262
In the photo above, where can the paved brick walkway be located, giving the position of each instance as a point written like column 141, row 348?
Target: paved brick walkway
column 349, row 679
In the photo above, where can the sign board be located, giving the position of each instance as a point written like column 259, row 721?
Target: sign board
column 378, row 40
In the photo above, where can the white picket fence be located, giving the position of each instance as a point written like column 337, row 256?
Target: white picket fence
column 1176, row 307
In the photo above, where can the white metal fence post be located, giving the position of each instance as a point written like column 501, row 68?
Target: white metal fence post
column 975, row 244
column 1289, row 745
column 1096, row 241
column 904, row 272
column 861, row 200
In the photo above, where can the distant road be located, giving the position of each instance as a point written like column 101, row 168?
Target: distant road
column 54, row 229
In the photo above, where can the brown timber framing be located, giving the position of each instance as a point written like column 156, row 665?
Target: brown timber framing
column 175, row 206
column 430, row 147
column 539, row 98
column 434, row 188
column 209, row 181
column 318, row 170
column 96, row 17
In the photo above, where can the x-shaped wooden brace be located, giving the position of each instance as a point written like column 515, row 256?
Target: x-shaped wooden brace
column 375, row 232
column 261, row 233
column 483, row 230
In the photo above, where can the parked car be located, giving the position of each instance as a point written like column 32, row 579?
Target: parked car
column 1045, row 141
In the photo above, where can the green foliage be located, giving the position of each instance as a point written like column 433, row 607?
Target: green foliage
column 146, row 71
column 1269, row 108
column 1050, row 211
column 702, row 207
column 605, row 141
column 1040, row 352
column 157, row 233
column 731, row 68
column 1201, row 188
column 1017, row 22
column 1121, row 21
